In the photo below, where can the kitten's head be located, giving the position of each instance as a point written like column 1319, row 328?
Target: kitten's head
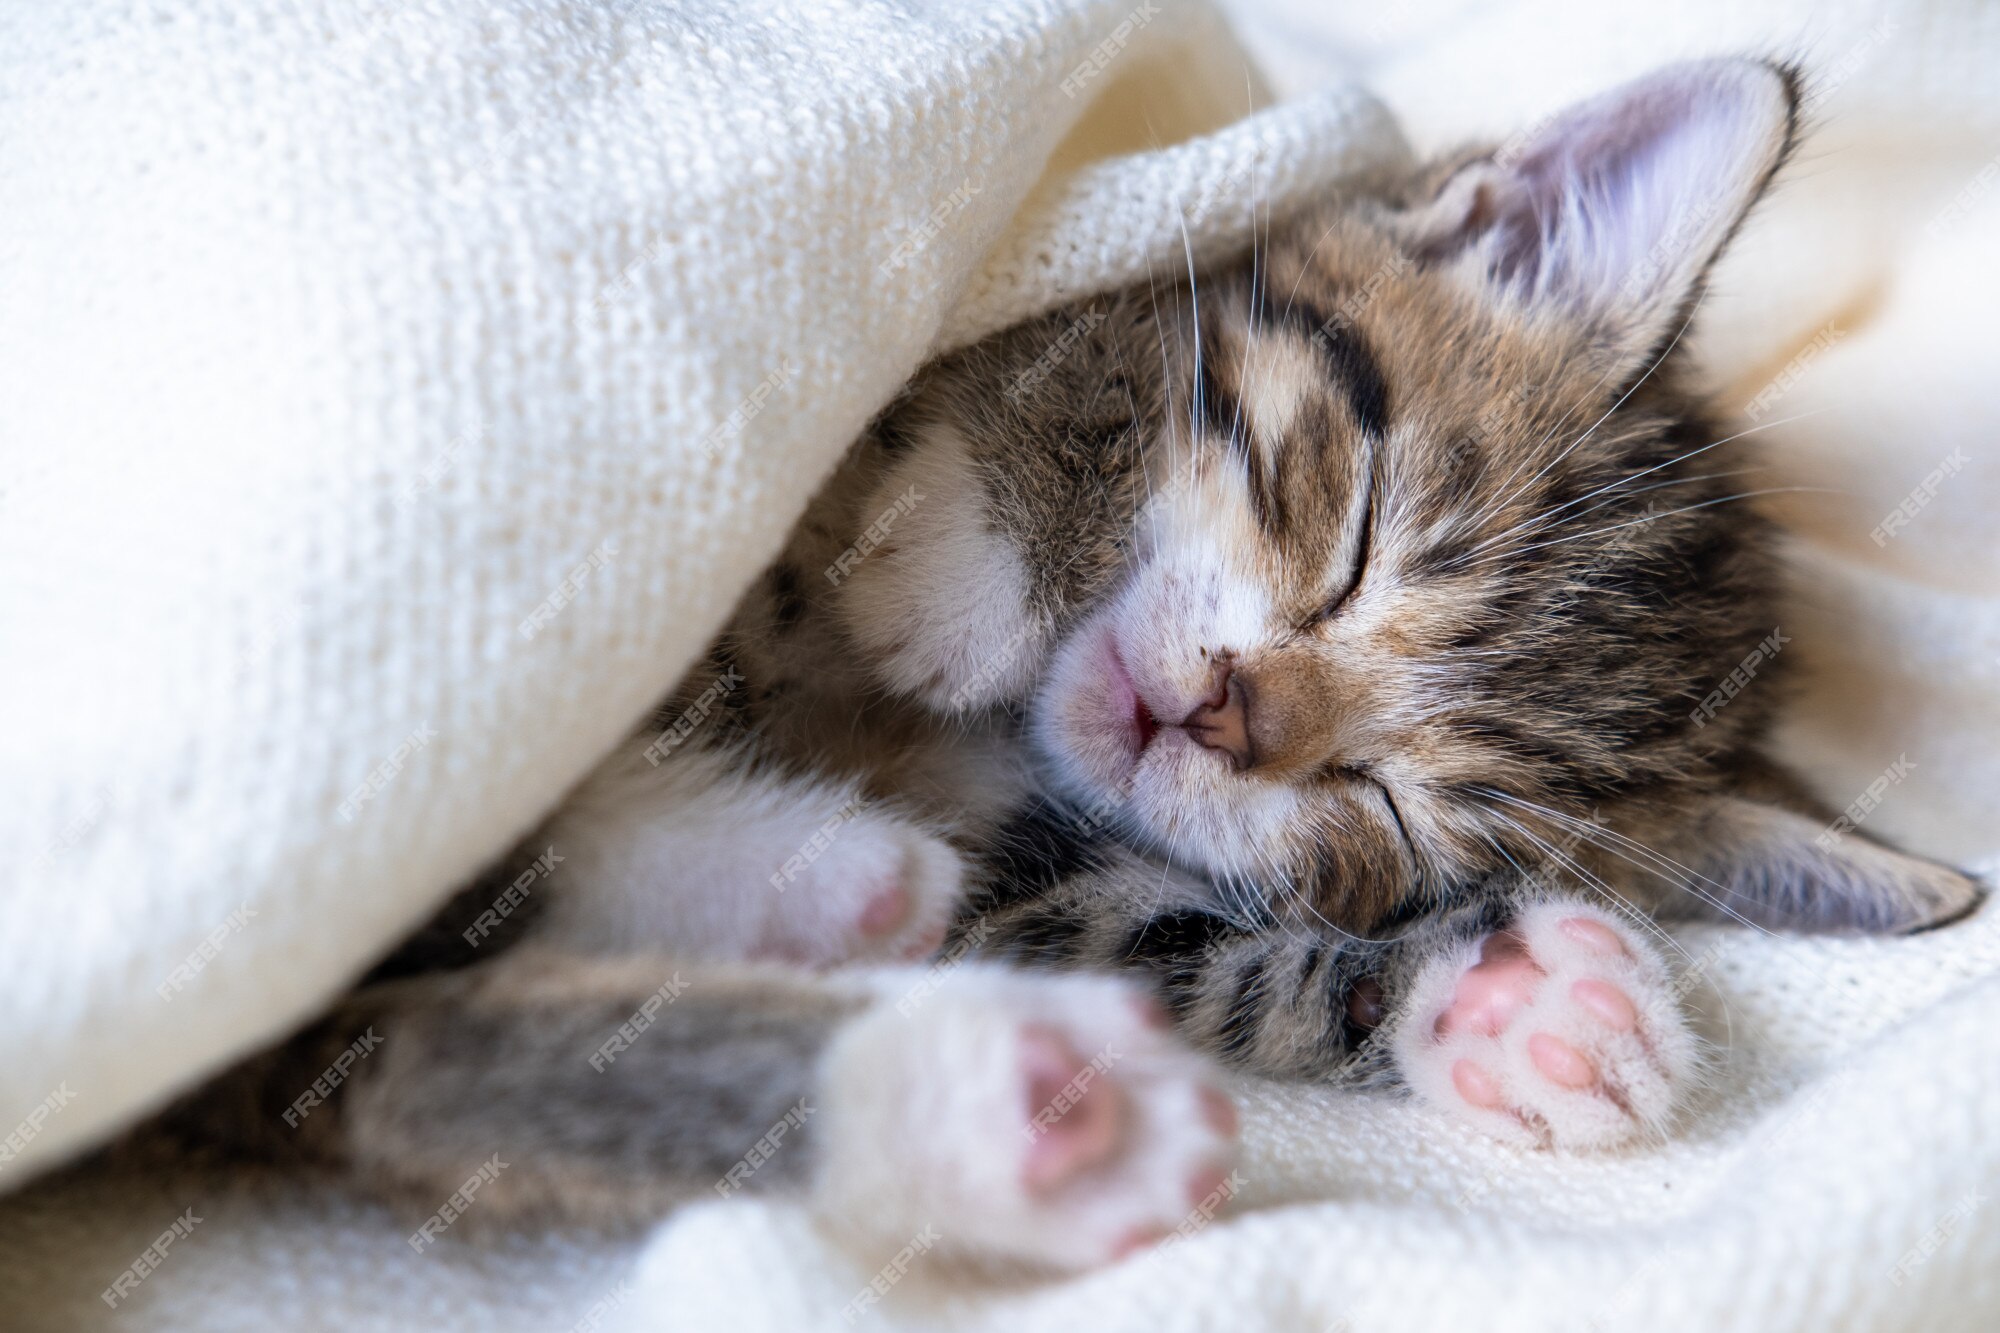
column 1433, row 554
column 1411, row 564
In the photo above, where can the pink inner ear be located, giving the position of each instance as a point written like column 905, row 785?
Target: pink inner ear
column 1621, row 201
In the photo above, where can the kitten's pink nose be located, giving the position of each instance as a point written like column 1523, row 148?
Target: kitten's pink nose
column 1222, row 721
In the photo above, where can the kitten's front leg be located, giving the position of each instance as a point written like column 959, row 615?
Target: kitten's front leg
column 1563, row 1029
column 991, row 528
column 1546, row 1020
column 937, row 592
column 716, row 857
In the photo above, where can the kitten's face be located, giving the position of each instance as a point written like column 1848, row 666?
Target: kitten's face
column 1430, row 542
column 1380, row 585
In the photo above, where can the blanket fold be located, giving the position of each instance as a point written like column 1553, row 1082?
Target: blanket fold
column 400, row 397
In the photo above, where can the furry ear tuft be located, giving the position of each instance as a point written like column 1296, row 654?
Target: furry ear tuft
column 1613, row 209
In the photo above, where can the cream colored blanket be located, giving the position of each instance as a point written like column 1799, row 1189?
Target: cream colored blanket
column 397, row 395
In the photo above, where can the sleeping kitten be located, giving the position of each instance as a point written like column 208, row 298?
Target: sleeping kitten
column 1302, row 670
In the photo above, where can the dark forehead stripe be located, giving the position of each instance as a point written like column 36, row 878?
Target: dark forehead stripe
column 1355, row 367
column 1350, row 361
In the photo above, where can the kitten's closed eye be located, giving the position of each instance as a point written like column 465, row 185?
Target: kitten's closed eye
column 1351, row 584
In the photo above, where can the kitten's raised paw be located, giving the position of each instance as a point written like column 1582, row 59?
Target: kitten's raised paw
column 1562, row 1030
column 942, row 605
column 1053, row 1120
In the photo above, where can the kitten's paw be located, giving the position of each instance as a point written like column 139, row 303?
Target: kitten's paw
column 1048, row 1119
column 862, row 887
column 937, row 600
column 1562, row 1030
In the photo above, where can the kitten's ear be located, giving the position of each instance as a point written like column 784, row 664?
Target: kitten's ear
column 1771, row 866
column 1613, row 210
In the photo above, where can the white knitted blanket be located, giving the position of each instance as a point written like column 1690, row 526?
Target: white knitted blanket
column 398, row 392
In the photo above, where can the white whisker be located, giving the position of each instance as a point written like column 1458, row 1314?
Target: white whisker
column 1652, row 518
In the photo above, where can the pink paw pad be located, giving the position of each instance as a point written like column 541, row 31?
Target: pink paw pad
column 1076, row 1112
column 1477, row 1086
column 1494, row 989
column 885, row 912
column 1218, row 1112
column 1561, row 1062
column 1081, row 1121
column 1595, row 936
column 1611, row 1005
column 1145, row 1238
column 889, row 912
column 1152, row 1015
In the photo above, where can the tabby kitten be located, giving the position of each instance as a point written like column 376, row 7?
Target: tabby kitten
column 1301, row 669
